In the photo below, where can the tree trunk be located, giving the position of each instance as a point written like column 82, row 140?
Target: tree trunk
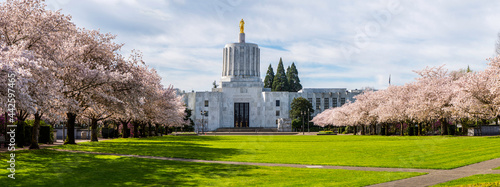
column 124, row 129
column 143, row 129
column 355, row 129
column 6, row 144
column 444, row 126
column 464, row 127
column 115, row 125
column 70, row 138
column 156, row 129
column 35, row 132
column 149, row 129
column 136, row 128
column 94, row 133
column 21, row 116
column 419, row 129
column 362, row 129
column 387, row 129
column 401, row 130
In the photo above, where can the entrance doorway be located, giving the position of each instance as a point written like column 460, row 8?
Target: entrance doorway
column 241, row 114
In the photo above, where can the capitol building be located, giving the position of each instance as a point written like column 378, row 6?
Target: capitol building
column 241, row 101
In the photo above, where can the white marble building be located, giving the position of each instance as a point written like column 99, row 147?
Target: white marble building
column 241, row 101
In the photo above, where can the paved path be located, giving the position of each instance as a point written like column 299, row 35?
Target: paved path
column 433, row 177
column 436, row 177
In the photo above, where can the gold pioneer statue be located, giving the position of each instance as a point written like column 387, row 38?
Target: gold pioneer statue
column 242, row 26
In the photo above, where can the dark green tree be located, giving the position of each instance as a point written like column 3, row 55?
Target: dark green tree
column 292, row 76
column 189, row 125
column 268, row 81
column 280, row 83
column 288, row 71
column 298, row 105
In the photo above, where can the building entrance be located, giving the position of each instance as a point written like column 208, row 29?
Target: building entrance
column 241, row 114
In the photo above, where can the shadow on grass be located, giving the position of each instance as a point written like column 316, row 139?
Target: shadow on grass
column 48, row 167
column 174, row 147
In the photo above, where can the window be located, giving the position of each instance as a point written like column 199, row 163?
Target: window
column 327, row 103
column 318, row 104
column 206, row 113
column 277, row 113
column 310, row 100
column 277, row 102
column 342, row 101
column 334, row 102
column 206, row 103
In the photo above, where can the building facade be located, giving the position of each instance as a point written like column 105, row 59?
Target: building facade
column 241, row 101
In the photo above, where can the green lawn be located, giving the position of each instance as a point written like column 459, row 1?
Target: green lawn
column 485, row 180
column 52, row 168
column 435, row 152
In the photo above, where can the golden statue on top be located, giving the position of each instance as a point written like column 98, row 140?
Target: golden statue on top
column 242, row 26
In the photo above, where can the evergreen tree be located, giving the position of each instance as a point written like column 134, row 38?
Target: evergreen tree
column 293, row 79
column 288, row 78
column 280, row 83
column 268, row 81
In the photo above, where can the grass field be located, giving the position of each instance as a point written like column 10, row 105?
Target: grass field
column 432, row 152
column 486, row 180
column 52, row 168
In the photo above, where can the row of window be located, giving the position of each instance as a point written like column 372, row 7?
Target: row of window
column 326, row 102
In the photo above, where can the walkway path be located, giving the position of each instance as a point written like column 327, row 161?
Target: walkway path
column 440, row 176
column 433, row 177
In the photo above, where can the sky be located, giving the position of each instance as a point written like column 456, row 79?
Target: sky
column 334, row 44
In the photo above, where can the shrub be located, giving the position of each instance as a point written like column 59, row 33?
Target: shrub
column 325, row 132
column 45, row 135
column 106, row 132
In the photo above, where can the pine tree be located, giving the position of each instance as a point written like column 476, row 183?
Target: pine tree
column 280, row 83
column 268, row 81
column 293, row 79
column 288, row 74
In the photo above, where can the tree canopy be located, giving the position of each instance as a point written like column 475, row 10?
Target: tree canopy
column 298, row 105
column 62, row 72
column 293, row 79
column 280, row 82
column 268, row 81
column 436, row 98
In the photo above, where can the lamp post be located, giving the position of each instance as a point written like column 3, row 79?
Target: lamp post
column 303, row 113
column 308, row 120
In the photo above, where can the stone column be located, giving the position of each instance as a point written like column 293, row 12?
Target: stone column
column 224, row 62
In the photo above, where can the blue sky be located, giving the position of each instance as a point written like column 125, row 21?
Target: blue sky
column 339, row 44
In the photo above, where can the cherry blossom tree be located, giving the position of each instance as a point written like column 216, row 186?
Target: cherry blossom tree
column 432, row 99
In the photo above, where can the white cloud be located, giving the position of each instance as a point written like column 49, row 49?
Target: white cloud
column 184, row 39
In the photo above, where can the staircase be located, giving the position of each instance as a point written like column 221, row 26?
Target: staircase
column 246, row 129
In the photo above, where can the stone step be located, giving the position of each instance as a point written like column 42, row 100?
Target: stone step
column 246, row 129
column 248, row 133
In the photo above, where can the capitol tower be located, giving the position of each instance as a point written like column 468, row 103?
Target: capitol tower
column 242, row 103
column 241, row 61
